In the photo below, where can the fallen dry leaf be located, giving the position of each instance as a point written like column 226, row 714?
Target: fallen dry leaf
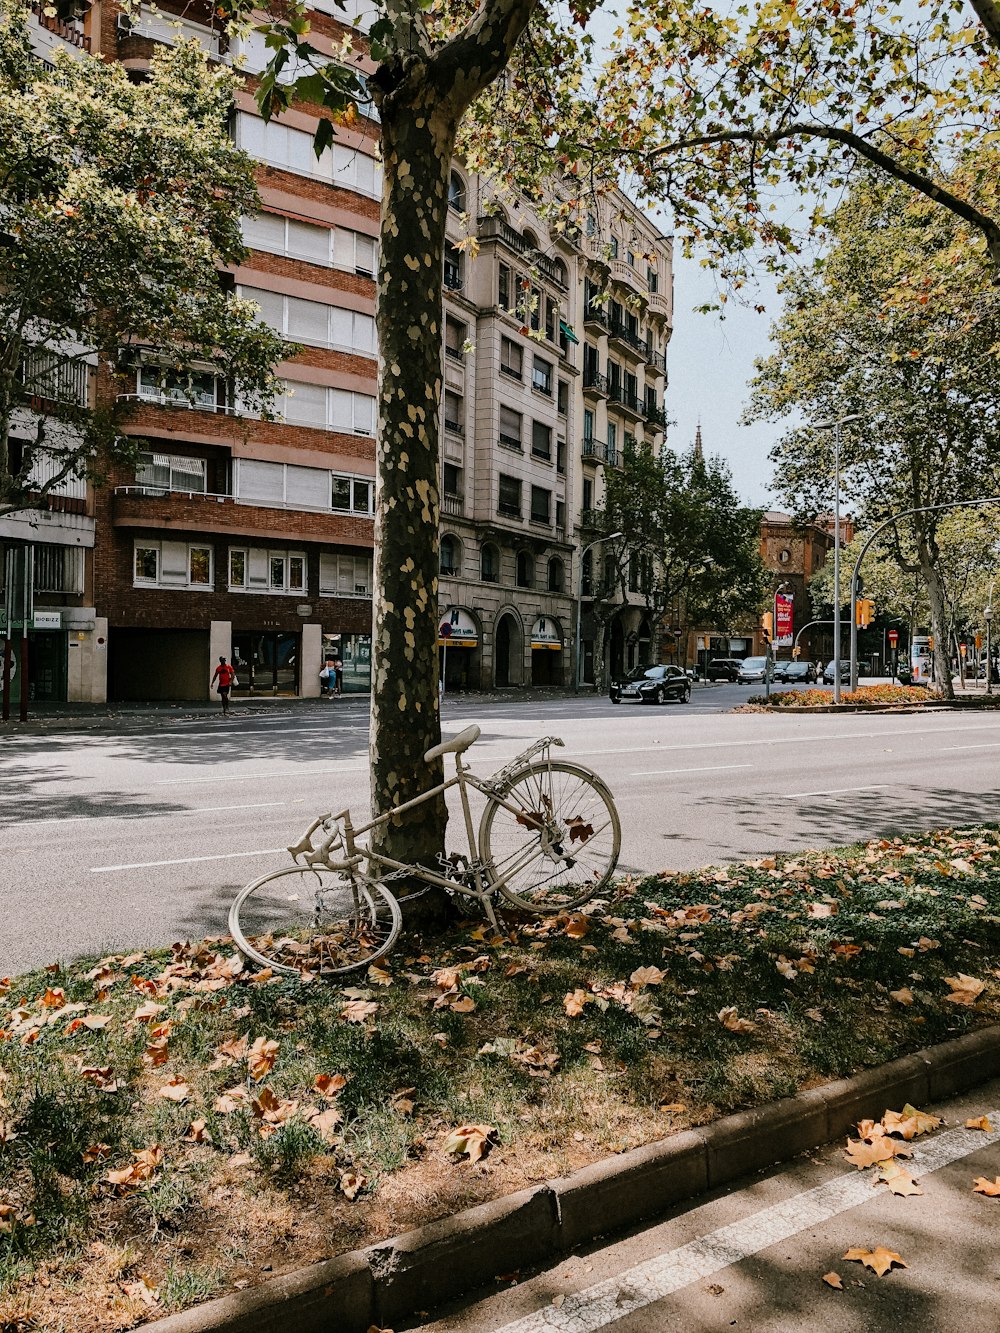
column 261, row 1058
column 378, row 976
column 142, row 1290
column 980, row 1122
column 879, row 1260
column 356, row 1011
column 647, row 976
column 176, row 1090
column 351, row 1183
column 574, row 1002
column 472, row 1141
column 833, row 1280
column 731, row 1021
column 328, row 1085
column 988, row 1187
column 196, row 1133
column 902, row 996
column 898, row 1179
column 862, row 1154
column 965, row 990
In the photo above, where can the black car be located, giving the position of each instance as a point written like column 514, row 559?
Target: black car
column 795, row 673
column 723, row 668
column 651, row 685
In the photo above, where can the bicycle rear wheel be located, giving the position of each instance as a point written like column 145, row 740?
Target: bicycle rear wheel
column 552, row 840
column 314, row 919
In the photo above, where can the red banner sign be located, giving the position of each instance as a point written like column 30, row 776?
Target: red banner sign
column 784, row 604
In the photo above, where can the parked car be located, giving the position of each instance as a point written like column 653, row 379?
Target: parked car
column 864, row 669
column 651, row 685
column 751, row 669
column 724, row 668
column 795, row 673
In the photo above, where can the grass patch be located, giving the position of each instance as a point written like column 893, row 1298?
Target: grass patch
column 173, row 1124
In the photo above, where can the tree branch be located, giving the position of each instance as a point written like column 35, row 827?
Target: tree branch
column 480, row 52
column 988, row 13
column 915, row 179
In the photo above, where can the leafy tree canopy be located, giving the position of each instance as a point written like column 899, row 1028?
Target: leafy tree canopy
column 119, row 203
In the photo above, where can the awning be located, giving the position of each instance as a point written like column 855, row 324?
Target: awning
column 546, row 643
column 458, row 641
column 567, row 330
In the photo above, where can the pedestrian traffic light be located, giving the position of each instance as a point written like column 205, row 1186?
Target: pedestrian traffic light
column 767, row 625
column 864, row 612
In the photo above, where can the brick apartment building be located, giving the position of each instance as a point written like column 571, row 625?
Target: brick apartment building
column 254, row 539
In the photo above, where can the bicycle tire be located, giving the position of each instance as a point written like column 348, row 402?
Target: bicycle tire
column 321, row 919
column 558, row 801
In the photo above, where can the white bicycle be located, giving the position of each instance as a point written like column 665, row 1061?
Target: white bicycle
column 548, row 841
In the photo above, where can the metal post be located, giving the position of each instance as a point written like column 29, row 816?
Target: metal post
column 29, row 580
column 988, row 615
column 836, row 567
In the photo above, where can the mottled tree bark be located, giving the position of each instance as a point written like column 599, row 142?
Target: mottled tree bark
column 422, row 93
column 928, row 554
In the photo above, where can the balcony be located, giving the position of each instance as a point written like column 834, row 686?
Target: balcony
column 452, row 278
column 592, row 449
column 591, row 519
column 595, row 384
column 506, row 509
column 656, row 361
column 70, row 31
column 626, row 400
column 51, row 380
column 597, row 316
column 626, row 274
column 453, row 505
column 511, row 442
column 659, row 304
column 627, row 336
column 496, row 229
column 656, row 416
column 205, row 512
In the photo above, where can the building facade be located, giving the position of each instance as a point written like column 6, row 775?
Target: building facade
column 253, row 539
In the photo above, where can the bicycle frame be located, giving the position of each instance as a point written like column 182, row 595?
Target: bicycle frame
column 483, row 892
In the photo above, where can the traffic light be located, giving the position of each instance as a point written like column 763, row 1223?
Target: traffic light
column 864, row 612
column 796, row 652
column 767, row 625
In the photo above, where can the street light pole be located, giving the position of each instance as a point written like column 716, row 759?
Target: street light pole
column 835, row 427
column 577, row 664
column 988, row 615
column 769, row 652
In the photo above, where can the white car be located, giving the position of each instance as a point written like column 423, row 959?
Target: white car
column 751, row 669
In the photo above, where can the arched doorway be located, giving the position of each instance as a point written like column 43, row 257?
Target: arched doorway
column 458, row 650
column 508, row 652
column 616, row 656
column 546, row 652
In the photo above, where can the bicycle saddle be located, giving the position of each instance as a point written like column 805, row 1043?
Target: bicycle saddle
column 457, row 745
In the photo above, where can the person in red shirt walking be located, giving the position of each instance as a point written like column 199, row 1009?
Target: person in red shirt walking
column 226, row 677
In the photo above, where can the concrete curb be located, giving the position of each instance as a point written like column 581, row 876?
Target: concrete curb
column 435, row 1263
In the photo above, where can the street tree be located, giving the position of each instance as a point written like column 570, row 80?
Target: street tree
column 119, row 204
column 691, row 550
column 895, row 325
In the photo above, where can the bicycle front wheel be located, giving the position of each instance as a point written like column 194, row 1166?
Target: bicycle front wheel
column 314, row 919
column 551, row 841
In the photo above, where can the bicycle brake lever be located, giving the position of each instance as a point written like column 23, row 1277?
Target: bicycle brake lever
column 304, row 844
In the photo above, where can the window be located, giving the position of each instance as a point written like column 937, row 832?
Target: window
column 509, row 502
column 505, row 288
column 454, row 338
column 511, row 358
column 451, row 480
column 614, row 247
column 287, row 236
column 630, row 258
column 633, row 572
column 562, row 398
column 292, row 150
column 453, row 411
column 541, row 375
column 555, row 582
column 541, row 505
column 591, row 227
column 314, row 322
column 587, row 574
column 489, row 564
column 169, row 564
column 171, row 472
column 355, row 251
column 588, row 494
column 541, row 440
column 561, row 515
column 352, row 494
column 452, row 267
column 351, row 413
column 345, row 575
column 652, row 279
column 524, row 575
column 510, row 427
column 612, row 442
column 550, row 319
column 588, row 424
column 195, row 388
column 456, row 192
column 254, row 569
column 57, row 569
column 450, row 555
column 561, row 456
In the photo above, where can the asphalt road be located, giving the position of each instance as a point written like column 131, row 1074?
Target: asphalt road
column 753, row 1257
column 114, row 839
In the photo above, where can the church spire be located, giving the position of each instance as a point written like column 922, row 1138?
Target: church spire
column 698, row 451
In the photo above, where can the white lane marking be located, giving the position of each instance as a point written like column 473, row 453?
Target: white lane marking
column 187, row 860
column 710, row 768
column 833, row 791
column 299, row 771
column 988, row 745
column 168, row 814
column 825, row 738
column 611, row 1300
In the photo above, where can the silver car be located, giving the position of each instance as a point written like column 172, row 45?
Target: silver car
column 751, row 669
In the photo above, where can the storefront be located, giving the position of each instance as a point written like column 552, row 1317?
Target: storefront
column 355, row 652
column 546, row 652
column 266, row 662
column 46, row 659
column 458, row 651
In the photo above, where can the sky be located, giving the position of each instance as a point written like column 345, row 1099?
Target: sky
column 709, row 364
